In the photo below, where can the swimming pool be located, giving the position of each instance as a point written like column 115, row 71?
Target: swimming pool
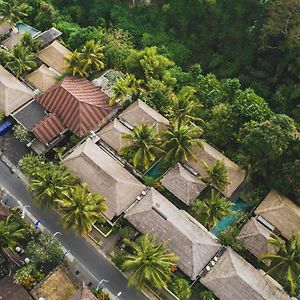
column 239, row 205
column 27, row 28
column 158, row 169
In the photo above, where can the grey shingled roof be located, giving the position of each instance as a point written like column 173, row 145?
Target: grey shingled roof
column 209, row 155
column 49, row 36
column 139, row 112
column 186, row 237
column 254, row 236
column 105, row 176
column 281, row 212
column 184, row 185
column 233, row 278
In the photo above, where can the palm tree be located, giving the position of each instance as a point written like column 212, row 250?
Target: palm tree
column 21, row 60
column 12, row 11
column 150, row 263
column 144, row 144
column 184, row 106
column 179, row 140
column 11, row 233
column 125, row 88
column 285, row 264
column 81, row 209
column 210, row 211
column 217, row 175
column 92, row 56
column 75, row 65
column 27, row 41
column 50, row 183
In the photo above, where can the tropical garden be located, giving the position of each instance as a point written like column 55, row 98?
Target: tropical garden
column 219, row 71
column 39, row 252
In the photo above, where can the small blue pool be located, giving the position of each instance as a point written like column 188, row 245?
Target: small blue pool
column 157, row 169
column 27, row 28
column 239, row 205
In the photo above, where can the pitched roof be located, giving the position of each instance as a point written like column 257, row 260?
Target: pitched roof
column 42, row 78
column 184, row 185
column 48, row 128
column 111, row 134
column 13, row 291
column 5, row 27
column 13, row 40
column 4, row 212
column 209, row 155
column 254, row 236
column 49, row 36
column 186, row 237
column 234, row 278
column 54, row 56
column 281, row 212
column 139, row 112
column 78, row 103
column 105, row 176
column 13, row 93
column 83, row 293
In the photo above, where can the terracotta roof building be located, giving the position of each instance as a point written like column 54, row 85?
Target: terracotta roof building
column 186, row 237
column 111, row 134
column 281, row 212
column 184, row 185
column 209, row 155
column 105, row 176
column 48, row 128
column 13, row 93
column 54, row 56
column 139, row 112
column 5, row 27
column 80, row 105
column 254, row 236
column 42, row 78
column 233, row 278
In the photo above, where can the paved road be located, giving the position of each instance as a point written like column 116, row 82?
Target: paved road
column 85, row 253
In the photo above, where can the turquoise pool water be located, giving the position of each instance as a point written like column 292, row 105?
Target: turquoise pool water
column 157, row 170
column 26, row 28
column 239, row 205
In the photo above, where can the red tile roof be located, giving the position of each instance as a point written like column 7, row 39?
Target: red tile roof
column 48, row 128
column 78, row 103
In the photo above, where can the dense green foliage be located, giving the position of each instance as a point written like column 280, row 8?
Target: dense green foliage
column 285, row 263
column 246, row 92
column 150, row 262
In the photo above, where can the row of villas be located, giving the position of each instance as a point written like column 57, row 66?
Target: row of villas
column 49, row 109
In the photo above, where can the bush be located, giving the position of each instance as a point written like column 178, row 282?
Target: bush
column 206, row 295
column 2, row 271
column 29, row 276
column 22, row 134
column 181, row 288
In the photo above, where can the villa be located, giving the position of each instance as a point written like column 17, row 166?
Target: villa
column 233, row 278
column 208, row 155
column 105, row 176
column 183, row 184
column 13, row 93
column 254, row 236
column 54, row 56
column 139, row 112
column 187, row 238
column 281, row 212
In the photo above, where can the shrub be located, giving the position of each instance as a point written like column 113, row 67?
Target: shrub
column 181, row 288
column 29, row 276
column 22, row 134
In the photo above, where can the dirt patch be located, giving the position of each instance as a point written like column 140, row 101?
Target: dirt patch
column 58, row 286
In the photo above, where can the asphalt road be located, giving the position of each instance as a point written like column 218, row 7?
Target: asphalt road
column 85, row 253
